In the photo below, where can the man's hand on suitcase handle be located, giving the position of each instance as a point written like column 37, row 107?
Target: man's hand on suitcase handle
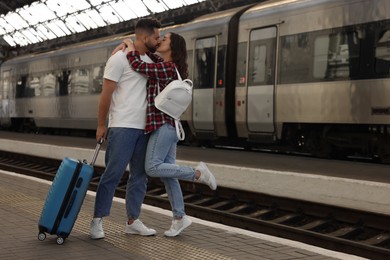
column 101, row 140
column 101, row 133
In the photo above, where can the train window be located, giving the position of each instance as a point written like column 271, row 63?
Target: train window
column 259, row 66
column 64, row 79
column 382, row 54
column 35, row 85
column 80, row 81
column 321, row 44
column 241, row 64
column 322, row 55
column 341, row 51
column 49, row 85
column 97, row 79
column 262, row 57
column 204, row 70
column 295, row 58
column 383, row 48
column 21, row 87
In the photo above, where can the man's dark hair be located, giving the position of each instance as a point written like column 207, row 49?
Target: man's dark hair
column 148, row 25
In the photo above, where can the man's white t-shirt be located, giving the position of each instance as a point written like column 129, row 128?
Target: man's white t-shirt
column 128, row 103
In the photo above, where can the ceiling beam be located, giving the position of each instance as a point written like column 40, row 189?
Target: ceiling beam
column 170, row 17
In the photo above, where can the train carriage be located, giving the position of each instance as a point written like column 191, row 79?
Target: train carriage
column 316, row 74
column 310, row 74
column 58, row 89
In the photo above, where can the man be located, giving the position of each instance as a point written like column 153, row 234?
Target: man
column 124, row 98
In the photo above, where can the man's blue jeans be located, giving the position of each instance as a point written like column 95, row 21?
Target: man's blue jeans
column 126, row 146
column 160, row 162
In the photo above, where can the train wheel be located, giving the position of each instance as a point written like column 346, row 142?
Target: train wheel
column 316, row 144
column 384, row 154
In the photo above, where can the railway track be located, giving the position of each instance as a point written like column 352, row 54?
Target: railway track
column 345, row 230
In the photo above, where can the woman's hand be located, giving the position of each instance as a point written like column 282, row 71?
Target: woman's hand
column 120, row 47
column 129, row 43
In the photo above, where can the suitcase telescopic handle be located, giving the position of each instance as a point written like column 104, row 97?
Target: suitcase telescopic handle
column 97, row 149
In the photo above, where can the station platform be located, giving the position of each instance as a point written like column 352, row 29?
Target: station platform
column 354, row 185
column 22, row 198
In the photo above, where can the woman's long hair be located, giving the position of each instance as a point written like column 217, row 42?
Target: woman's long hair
column 179, row 54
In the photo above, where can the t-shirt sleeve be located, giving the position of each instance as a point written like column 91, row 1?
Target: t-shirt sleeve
column 160, row 70
column 115, row 66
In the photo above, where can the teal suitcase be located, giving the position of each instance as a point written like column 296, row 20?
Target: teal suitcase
column 65, row 198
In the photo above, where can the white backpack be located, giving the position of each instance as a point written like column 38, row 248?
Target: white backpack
column 174, row 100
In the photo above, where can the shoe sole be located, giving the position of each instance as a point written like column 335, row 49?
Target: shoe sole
column 146, row 235
column 96, row 238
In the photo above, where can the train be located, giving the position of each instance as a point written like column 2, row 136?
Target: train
column 310, row 75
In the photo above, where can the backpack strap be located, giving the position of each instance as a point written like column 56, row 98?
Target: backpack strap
column 178, row 76
column 179, row 130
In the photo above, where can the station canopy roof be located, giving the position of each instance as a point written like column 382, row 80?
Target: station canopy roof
column 49, row 19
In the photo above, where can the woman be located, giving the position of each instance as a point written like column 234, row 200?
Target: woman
column 161, row 151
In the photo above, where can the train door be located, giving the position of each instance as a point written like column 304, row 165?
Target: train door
column 261, row 80
column 204, row 83
column 5, row 97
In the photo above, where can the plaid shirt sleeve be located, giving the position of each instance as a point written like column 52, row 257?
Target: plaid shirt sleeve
column 155, row 58
column 163, row 71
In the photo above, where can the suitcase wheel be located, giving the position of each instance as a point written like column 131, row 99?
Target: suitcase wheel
column 41, row 236
column 60, row 240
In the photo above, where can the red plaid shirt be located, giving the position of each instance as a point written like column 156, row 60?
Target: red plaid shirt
column 159, row 74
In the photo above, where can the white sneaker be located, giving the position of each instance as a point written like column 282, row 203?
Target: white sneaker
column 97, row 228
column 206, row 176
column 138, row 228
column 178, row 225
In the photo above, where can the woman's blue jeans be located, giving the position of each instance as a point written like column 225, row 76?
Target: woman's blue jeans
column 126, row 146
column 160, row 162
